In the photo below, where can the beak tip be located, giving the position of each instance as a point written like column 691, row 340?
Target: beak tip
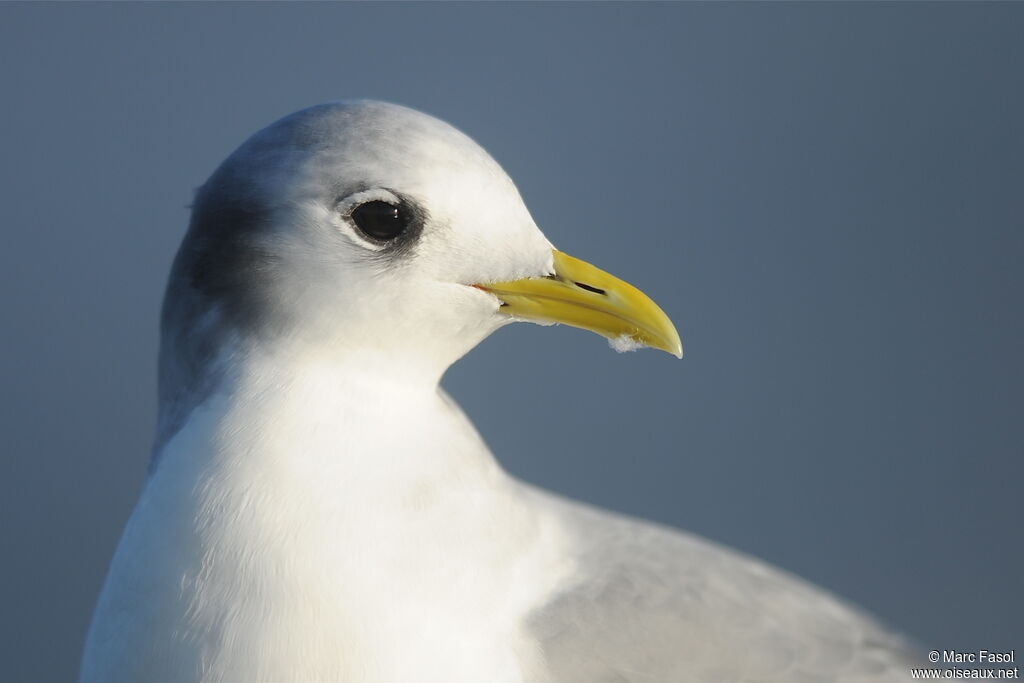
column 672, row 343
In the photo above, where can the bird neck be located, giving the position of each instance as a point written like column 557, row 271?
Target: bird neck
column 318, row 457
column 351, row 505
column 357, row 411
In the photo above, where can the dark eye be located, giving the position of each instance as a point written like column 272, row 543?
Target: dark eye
column 380, row 220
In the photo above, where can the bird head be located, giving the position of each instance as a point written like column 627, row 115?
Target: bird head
column 375, row 232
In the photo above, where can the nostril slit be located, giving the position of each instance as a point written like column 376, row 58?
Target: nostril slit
column 587, row 287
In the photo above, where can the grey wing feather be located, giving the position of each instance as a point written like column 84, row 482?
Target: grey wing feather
column 651, row 604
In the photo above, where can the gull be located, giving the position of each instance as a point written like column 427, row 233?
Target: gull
column 319, row 510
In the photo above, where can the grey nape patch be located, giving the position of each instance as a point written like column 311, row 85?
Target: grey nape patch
column 217, row 287
column 225, row 270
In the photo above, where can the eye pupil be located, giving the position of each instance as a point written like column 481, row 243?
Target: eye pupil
column 380, row 220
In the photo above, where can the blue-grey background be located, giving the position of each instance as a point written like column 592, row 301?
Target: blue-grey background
column 828, row 199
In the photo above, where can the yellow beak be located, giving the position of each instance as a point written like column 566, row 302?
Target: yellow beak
column 584, row 296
